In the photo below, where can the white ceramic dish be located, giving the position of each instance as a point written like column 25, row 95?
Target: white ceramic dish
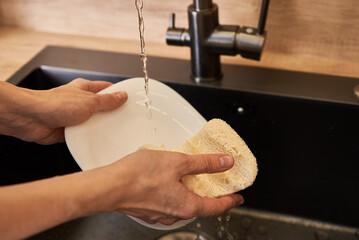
column 108, row 136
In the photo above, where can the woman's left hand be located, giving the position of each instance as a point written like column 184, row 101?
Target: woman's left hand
column 40, row 116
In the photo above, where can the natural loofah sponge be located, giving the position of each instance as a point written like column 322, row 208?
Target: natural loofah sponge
column 218, row 137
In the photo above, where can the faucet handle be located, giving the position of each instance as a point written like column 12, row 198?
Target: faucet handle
column 263, row 17
column 172, row 20
column 176, row 36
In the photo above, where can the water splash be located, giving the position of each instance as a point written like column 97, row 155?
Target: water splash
column 222, row 231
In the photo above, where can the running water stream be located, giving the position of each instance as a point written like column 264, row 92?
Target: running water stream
column 148, row 103
column 224, row 219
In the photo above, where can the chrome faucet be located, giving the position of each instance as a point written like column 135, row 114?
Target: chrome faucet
column 208, row 39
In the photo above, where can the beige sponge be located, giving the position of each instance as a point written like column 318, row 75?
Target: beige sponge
column 218, row 137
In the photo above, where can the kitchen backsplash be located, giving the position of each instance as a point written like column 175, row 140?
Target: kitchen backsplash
column 322, row 29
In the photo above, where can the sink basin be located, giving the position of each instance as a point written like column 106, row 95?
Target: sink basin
column 303, row 128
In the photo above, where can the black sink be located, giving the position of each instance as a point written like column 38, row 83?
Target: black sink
column 303, row 128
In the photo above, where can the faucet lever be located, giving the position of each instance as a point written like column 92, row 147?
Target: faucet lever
column 172, row 20
column 176, row 36
column 263, row 17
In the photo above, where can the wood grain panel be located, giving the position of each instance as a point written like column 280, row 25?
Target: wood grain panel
column 310, row 29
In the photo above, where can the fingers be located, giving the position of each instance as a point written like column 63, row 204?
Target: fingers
column 210, row 207
column 168, row 221
column 164, row 221
column 201, row 207
column 148, row 221
column 90, row 86
column 110, row 101
column 204, row 207
column 209, row 163
column 105, row 102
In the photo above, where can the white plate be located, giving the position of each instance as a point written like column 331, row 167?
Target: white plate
column 108, row 136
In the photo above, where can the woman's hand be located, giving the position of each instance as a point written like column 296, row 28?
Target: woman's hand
column 149, row 186
column 146, row 184
column 40, row 116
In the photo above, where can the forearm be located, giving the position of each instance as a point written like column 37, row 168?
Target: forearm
column 15, row 108
column 29, row 208
column 26, row 209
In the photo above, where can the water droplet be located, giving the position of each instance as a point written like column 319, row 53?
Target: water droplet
column 198, row 225
column 222, row 232
column 228, row 216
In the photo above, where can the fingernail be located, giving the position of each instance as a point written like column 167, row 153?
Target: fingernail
column 226, row 161
column 241, row 201
column 122, row 94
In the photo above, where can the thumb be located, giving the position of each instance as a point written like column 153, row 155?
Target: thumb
column 208, row 163
column 110, row 101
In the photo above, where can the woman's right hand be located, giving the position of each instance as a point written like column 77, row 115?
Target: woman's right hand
column 147, row 185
